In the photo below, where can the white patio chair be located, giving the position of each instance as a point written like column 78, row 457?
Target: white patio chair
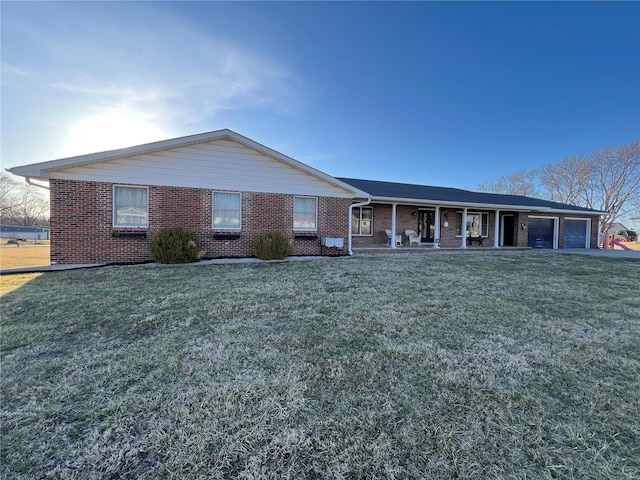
column 414, row 238
column 398, row 238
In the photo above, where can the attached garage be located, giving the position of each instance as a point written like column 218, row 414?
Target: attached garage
column 576, row 233
column 542, row 232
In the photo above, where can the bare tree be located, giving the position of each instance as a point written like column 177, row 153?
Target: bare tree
column 608, row 180
column 569, row 181
column 11, row 197
column 21, row 203
column 34, row 211
column 617, row 182
column 523, row 182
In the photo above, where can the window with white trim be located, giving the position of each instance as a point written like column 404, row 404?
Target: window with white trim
column 227, row 213
column 362, row 221
column 130, row 206
column 477, row 224
column 305, row 213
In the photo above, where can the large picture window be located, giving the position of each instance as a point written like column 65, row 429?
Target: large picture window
column 477, row 225
column 130, row 206
column 362, row 221
column 305, row 213
column 226, row 211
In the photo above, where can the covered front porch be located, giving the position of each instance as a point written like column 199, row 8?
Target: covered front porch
column 416, row 227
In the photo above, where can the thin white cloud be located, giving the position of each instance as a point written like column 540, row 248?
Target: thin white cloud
column 8, row 69
column 167, row 69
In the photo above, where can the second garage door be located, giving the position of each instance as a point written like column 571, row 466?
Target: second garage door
column 575, row 234
column 541, row 232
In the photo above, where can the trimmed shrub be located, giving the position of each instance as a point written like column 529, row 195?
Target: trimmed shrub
column 175, row 245
column 272, row 246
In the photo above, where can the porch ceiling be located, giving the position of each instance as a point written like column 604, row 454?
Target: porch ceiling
column 419, row 202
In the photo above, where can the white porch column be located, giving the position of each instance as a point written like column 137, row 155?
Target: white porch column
column 393, row 225
column 463, row 228
column 496, row 231
column 436, row 241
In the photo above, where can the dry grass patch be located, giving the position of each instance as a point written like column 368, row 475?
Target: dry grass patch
column 9, row 283
column 24, row 256
column 438, row 366
column 631, row 245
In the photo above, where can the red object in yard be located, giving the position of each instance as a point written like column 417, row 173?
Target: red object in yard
column 621, row 245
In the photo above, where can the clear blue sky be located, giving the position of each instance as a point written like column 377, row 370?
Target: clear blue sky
column 449, row 94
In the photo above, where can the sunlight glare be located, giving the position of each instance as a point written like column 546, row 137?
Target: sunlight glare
column 110, row 131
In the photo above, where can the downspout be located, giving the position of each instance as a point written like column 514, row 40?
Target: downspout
column 30, row 182
column 351, row 207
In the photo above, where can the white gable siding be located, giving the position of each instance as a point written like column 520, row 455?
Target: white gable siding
column 220, row 164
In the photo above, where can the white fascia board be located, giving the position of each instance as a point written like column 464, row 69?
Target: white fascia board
column 487, row 206
column 28, row 171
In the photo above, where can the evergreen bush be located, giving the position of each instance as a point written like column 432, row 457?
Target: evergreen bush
column 175, row 245
column 272, row 246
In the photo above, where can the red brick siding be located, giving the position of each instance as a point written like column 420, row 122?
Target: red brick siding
column 594, row 241
column 82, row 218
column 406, row 219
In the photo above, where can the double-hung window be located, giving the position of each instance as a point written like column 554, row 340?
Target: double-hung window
column 477, row 225
column 227, row 211
column 130, row 206
column 362, row 221
column 305, row 213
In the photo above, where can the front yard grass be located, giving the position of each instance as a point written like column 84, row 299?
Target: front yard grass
column 12, row 256
column 512, row 365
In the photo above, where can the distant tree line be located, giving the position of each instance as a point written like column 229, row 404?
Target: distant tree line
column 22, row 204
column 608, row 180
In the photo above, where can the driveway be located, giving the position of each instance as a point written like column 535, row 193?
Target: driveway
column 596, row 252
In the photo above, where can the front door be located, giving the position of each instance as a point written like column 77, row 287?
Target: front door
column 508, row 230
column 427, row 226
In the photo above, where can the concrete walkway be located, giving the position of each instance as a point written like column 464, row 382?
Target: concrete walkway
column 46, row 268
column 217, row 261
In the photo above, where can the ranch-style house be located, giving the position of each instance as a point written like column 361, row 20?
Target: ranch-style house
column 228, row 189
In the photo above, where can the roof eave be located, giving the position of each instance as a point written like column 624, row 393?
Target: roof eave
column 492, row 206
column 297, row 164
column 28, row 172
column 41, row 171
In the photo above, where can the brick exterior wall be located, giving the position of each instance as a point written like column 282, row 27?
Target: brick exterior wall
column 82, row 229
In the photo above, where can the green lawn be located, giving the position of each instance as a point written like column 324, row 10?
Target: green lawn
column 513, row 365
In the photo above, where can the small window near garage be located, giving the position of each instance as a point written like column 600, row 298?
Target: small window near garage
column 362, row 221
column 305, row 213
column 227, row 211
column 130, row 206
column 477, row 225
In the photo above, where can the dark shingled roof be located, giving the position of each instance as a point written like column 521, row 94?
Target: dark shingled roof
column 445, row 194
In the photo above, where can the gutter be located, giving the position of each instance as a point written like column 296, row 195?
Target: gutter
column 351, row 207
column 488, row 206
